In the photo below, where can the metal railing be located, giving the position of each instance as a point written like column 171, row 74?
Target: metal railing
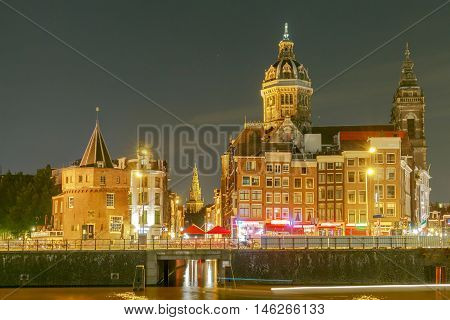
column 265, row 243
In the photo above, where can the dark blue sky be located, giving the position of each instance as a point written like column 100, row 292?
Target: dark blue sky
column 204, row 61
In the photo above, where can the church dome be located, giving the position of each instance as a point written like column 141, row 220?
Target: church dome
column 286, row 66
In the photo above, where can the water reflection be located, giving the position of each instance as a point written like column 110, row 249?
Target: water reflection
column 199, row 273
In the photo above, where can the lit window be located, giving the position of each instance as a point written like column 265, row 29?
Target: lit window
column 277, row 213
column 157, row 182
column 250, row 165
column 379, row 158
column 351, row 176
column 338, row 211
column 361, row 162
column 277, row 182
column 351, row 196
column 256, row 211
column 269, row 213
column 330, row 193
column 362, row 216
column 110, row 200
column 379, row 192
column 322, row 194
column 255, row 181
column 309, row 197
column 361, row 176
column 297, row 197
column 244, row 211
column 157, row 216
column 309, row 183
column 338, row 194
column 322, row 177
column 244, row 195
column 285, row 213
column 309, row 214
column 390, row 210
column 277, row 197
column 285, row 168
column 322, row 165
column 298, row 214
column 390, row 174
column 71, row 202
column 330, row 165
column 115, row 224
column 351, row 216
column 157, row 199
column 330, row 178
column 257, row 195
column 362, row 196
column 338, row 178
column 245, row 180
column 390, row 192
column 390, row 158
column 277, row 168
column 338, row 165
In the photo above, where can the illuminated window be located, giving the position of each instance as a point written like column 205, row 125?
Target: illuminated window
column 309, row 183
column 70, row 202
column 309, row 198
column 390, row 191
column 379, row 192
column 256, row 195
column 361, row 162
column 269, row 213
column 285, row 213
column 250, row 165
column 330, row 193
column 351, row 196
column 362, row 196
column 277, row 182
column 338, row 178
column 110, row 200
column 330, row 165
column 390, row 174
column 338, row 194
column 322, row 194
column 244, row 210
column 285, row 168
column 255, row 181
column 330, row 178
column 115, row 224
column 256, row 211
column 277, row 168
column 298, row 214
column 277, row 197
column 362, row 216
column 244, row 195
column 351, row 216
column 338, row 165
column 285, row 197
column 157, row 199
column 390, row 210
column 297, row 197
column 322, row 177
column 245, row 180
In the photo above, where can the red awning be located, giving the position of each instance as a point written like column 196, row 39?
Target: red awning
column 349, row 231
column 219, row 230
column 193, row 230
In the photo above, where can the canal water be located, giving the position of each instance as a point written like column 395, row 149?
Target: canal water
column 196, row 280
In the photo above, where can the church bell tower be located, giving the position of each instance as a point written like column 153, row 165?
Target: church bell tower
column 408, row 110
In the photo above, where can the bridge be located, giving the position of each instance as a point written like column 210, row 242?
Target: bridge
column 264, row 243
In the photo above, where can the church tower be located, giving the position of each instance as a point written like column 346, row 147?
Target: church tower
column 195, row 201
column 408, row 110
column 286, row 89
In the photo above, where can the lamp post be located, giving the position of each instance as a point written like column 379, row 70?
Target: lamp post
column 369, row 172
column 372, row 151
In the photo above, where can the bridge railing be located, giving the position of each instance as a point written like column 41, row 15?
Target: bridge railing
column 264, row 243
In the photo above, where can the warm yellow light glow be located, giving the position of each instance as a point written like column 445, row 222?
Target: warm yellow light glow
column 372, row 149
column 370, row 171
column 138, row 174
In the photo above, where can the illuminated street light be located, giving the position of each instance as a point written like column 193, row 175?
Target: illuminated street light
column 372, row 150
column 370, row 171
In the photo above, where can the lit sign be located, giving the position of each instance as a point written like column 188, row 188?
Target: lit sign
column 282, row 222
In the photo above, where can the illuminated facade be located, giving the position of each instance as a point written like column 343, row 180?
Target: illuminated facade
column 284, row 176
column 94, row 198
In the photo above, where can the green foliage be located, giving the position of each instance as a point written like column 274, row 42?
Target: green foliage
column 25, row 200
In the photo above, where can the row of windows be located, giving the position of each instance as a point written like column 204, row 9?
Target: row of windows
column 330, row 212
column 379, row 158
column 276, row 197
column 330, row 193
column 330, row 165
column 110, row 201
column 277, row 168
column 277, row 182
column 352, row 162
column 255, row 212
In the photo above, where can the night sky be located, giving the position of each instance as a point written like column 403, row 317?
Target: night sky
column 204, row 62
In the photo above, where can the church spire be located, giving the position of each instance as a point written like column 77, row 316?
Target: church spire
column 96, row 153
column 408, row 77
column 195, row 193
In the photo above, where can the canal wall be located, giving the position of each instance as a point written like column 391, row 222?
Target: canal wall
column 339, row 267
column 307, row 267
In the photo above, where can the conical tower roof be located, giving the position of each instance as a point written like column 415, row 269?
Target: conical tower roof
column 96, row 153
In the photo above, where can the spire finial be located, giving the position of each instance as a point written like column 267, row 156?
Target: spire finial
column 97, row 109
column 286, row 32
column 407, row 52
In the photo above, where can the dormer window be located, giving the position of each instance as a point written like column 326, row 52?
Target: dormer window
column 100, row 164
